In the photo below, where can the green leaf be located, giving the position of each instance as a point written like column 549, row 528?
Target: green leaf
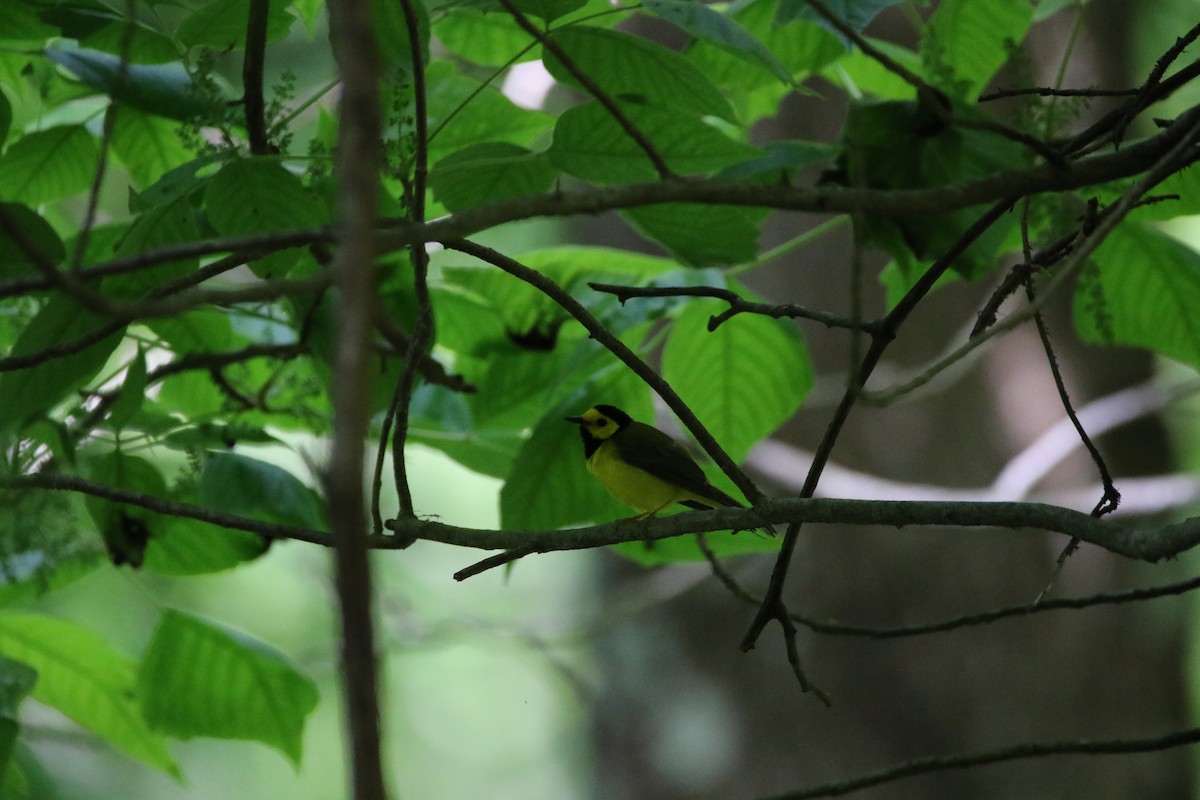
column 147, row 46
column 126, row 529
column 49, row 165
column 463, row 112
column 935, row 155
column 742, row 380
column 861, row 74
column 589, row 144
column 84, row 678
column 781, row 160
column 525, row 312
column 221, row 25
column 198, row 679
column 701, row 235
column 391, row 34
column 1185, row 183
column 165, row 90
column 6, row 115
column 161, row 226
column 16, row 682
column 35, row 232
column 20, row 22
column 247, row 487
column 855, row 13
column 254, row 195
column 132, row 392
column 801, row 47
column 623, row 65
column 967, row 41
column 490, row 172
column 37, row 389
column 704, row 23
column 1142, row 292
column 483, row 37
column 549, row 10
column 441, row 419
column 35, row 573
column 148, row 145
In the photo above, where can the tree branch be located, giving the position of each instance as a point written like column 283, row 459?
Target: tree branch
column 358, row 160
column 1142, row 544
column 925, row 766
column 252, row 77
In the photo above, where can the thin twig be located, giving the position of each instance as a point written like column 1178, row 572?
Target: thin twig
column 932, row 764
column 737, row 304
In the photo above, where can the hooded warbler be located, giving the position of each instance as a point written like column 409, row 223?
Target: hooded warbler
column 643, row 467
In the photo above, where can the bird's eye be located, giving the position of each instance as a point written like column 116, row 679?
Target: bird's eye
column 600, row 423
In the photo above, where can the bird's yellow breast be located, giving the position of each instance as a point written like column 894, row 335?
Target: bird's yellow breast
column 632, row 486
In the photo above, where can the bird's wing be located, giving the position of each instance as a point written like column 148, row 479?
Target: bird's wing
column 664, row 458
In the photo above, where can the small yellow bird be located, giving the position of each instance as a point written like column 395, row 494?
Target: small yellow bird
column 643, row 467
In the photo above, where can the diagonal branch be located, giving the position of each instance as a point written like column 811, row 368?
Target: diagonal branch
column 592, row 88
column 619, row 349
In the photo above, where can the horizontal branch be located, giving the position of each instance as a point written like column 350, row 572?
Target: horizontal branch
column 399, row 233
column 924, row 766
column 1147, row 544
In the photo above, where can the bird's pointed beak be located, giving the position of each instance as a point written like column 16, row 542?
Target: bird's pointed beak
column 576, row 420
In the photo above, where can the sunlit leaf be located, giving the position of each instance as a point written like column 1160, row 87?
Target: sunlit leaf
column 82, row 676
column 198, row 679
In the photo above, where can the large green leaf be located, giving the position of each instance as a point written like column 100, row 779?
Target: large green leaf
column 126, row 529
column 391, row 34
column 174, row 222
column 483, row 37
column 701, row 235
column 36, row 233
column 490, row 172
column 590, row 144
column 16, row 682
column 463, row 112
column 148, row 145
column 221, row 24
column 967, row 41
column 20, row 22
column 251, row 488
column 198, row 679
column 861, row 74
column 708, row 25
column 1142, row 291
column 49, row 165
column 637, row 70
column 38, row 388
column 934, row 155
column 83, row 677
column 254, row 195
column 742, row 380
